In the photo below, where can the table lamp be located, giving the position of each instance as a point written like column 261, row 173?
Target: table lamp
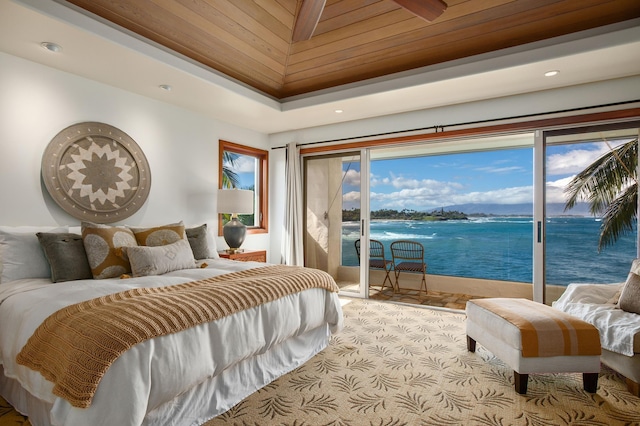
column 234, row 202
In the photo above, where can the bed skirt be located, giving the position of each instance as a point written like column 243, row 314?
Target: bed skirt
column 206, row 400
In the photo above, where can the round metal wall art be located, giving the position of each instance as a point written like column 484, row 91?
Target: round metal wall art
column 96, row 172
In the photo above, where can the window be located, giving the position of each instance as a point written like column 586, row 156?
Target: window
column 472, row 210
column 489, row 207
column 243, row 167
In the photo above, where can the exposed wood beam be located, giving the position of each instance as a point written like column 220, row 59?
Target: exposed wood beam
column 425, row 9
column 307, row 20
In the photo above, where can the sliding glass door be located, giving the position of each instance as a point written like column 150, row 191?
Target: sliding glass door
column 490, row 211
column 576, row 248
column 469, row 203
column 334, row 225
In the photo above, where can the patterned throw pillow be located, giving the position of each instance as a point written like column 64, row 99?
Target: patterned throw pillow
column 159, row 235
column 630, row 296
column 160, row 259
column 103, row 245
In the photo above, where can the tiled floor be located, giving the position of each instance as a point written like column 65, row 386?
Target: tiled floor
column 431, row 298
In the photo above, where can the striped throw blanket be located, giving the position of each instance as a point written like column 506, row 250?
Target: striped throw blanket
column 75, row 346
column 545, row 331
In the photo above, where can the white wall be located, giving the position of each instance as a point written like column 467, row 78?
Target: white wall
column 37, row 102
column 582, row 96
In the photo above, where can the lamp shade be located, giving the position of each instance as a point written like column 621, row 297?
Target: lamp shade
column 238, row 201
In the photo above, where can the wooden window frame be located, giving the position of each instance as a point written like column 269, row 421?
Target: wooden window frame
column 262, row 209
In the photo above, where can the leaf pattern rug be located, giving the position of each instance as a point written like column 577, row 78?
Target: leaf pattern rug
column 395, row 365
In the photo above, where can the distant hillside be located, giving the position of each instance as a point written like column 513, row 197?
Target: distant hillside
column 524, row 209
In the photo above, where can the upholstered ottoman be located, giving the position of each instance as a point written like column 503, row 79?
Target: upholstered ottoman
column 531, row 337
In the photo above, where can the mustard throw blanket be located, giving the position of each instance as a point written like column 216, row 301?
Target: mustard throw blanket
column 545, row 331
column 74, row 347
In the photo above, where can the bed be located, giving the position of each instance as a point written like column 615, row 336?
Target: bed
column 182, row 378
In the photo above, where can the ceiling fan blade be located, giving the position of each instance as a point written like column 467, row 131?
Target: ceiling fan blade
column 307, row 19
column 425, row 9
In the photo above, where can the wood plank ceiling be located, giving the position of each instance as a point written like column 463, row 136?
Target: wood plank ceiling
column 354, row 40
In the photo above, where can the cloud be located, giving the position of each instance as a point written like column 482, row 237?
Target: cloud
column 425, row 199
column 400, row 182
column 245, row 164
column 351, row 196
column 574, row 161
column 352, row 177
column 513, row 195
column 428, row 198
column 510, row 169
column 351, row 200
column 428, row 194
column 555, row 190
column 375, row 180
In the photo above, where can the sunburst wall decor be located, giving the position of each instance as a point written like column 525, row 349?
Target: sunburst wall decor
column 96, row 172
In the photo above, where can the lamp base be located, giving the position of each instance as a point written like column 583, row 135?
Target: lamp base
column 234, row 233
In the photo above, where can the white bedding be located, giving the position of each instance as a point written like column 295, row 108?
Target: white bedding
column 591, row 303
column 152, row 373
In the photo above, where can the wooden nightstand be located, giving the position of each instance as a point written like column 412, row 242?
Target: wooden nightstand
column 245, row 255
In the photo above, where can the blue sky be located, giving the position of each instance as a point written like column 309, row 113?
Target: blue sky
column 496, row 177
column 246, row 169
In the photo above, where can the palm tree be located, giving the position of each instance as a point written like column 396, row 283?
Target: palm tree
column 610, row 186
column 230, row 178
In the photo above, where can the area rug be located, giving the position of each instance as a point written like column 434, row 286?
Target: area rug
column 399, row 365
column 395, row 365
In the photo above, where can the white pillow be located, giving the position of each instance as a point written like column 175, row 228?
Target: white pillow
column 20, row 253
column 211, row 241
column 158, row 260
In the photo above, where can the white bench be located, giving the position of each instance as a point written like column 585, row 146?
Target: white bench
column 534, row 338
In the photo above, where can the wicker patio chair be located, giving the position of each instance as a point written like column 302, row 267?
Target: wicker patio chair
column 377, row 260
column 408, row 256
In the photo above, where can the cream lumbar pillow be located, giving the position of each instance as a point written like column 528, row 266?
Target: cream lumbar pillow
column 630, row 295
column 160, row 259
column 159, row 235
column 104, row 246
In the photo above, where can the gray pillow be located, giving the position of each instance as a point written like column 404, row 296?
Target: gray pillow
column 198, row 241
column 630, row 296
column 66, row 255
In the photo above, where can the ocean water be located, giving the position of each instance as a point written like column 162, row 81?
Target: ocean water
column 501, row 248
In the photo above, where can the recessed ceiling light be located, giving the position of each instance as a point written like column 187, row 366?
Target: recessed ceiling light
column 51, row 47
column 338, row 111
column 165, row 87
column 551, row 73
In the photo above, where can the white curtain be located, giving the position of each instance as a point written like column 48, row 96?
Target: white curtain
column 292, row 250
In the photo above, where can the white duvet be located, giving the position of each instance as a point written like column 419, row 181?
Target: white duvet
column 154, row 372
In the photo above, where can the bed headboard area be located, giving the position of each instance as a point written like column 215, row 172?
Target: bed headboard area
column 64, row 253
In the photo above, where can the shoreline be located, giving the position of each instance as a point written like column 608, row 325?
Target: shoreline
column 471, row 218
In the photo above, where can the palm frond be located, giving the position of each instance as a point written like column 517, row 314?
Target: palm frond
column 603, row 180
column 230, row 178
column 619, row 217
